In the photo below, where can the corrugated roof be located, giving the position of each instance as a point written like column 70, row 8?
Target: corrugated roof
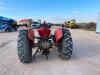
column 24, row 20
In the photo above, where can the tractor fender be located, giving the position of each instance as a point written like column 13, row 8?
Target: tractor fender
column 31, row 35
column 58, row 34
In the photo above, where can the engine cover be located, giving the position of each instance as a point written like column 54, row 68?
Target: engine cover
column 44, row 31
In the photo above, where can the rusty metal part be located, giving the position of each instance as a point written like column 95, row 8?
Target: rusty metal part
column 31, row 35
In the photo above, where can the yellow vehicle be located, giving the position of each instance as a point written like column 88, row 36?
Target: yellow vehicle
column 71, row 24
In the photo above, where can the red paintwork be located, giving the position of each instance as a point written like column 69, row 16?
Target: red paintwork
column 44, row 31
column 24, row 20
column 31, row 35
column 58, row 34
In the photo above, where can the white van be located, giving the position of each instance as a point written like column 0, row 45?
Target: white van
column 35, row 25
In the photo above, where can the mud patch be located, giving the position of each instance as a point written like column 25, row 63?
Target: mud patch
column 3, row 44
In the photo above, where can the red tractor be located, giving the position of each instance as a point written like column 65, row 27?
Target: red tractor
column 61, row 40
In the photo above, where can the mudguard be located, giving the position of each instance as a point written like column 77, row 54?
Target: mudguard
column 58, row 34
column 31, row 35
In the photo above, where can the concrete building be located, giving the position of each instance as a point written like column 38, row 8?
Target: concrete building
column 25, row 21
column 98, row 24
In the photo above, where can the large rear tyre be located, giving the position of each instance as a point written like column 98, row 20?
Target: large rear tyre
column 65, row 47
column 24, row 47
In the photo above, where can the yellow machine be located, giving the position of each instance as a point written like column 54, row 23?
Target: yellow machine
column 70, row 24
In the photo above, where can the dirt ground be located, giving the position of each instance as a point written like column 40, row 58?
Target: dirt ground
column 85, row 59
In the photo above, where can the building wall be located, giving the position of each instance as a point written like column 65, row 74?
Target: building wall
column 98, row 24
column 28, row 22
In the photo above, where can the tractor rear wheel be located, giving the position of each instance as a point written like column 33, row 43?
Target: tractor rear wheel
column 24, row 47
column 66, row 46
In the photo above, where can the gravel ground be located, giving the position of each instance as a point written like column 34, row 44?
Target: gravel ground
column 85, row 59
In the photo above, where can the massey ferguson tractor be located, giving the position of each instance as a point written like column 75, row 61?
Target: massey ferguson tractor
column 45, row 42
